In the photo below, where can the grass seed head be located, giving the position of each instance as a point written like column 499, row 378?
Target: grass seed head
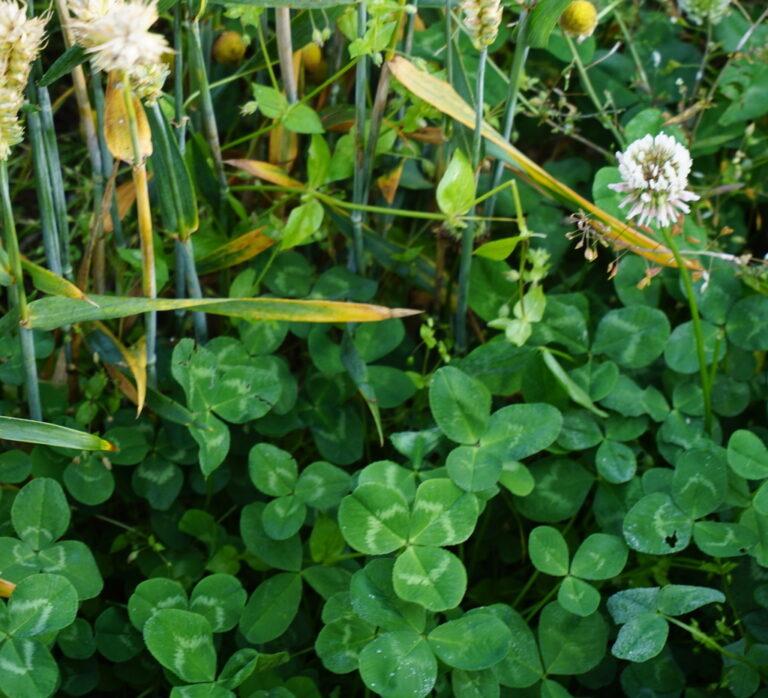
column 21, row 38
column 482, row 19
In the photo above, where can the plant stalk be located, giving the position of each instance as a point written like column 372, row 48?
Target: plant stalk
column 468, row 234
column 18, row 298
column 685, row 275
column 206, row 107
column 356, row 260
column 510, row 110
column 144, row 217
column 285, row 52
column 587, row 83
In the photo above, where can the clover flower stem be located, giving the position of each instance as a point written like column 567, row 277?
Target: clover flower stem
column 144, row 217
column 646, row 85
column 18, row 298
column 589, row 87
column 356, row 261
column 510, row 110
column 685, row 275
column 206, row 106
column 468, row 234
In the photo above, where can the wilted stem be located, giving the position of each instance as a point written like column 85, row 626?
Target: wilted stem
column 18, row 298
column 144, row 216
column 285, row 51
column 510, row 111
column 685, row 275
column 468, row 234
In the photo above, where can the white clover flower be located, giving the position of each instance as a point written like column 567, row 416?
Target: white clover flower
column 654, row 176
column 482, row 19
column 700, row 10
column 119, row 38
column 21, row 38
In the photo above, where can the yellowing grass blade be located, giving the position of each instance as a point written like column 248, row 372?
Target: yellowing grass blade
column 135, row 358
column 125, row 195
column 442, row 96
column 52, row 312
column 48, row 282
column 237, row 251
column 266, row 171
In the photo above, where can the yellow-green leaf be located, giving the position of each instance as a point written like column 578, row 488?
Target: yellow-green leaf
column 32, row 432
column 443, row 97
column 52, row 312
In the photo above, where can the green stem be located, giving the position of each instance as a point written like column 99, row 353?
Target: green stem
column 18, row 298
column 711, row 644
column 633, row 52
column 587, row 83
column 178, row 79
column 510, row 111
column 206, row 108
column 468, row 234
column 685, row 275
column 56, row 179
column 358, row 183
column 44, row 193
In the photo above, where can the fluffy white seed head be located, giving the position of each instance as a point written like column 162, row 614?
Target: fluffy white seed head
column 654, row 176
column 21, row 38
column 116, row 33
column 482, row 19
column 698, row 11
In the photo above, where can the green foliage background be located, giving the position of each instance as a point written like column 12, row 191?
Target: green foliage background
column 344, row 509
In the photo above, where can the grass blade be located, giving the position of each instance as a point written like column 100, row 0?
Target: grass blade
column 33, row 432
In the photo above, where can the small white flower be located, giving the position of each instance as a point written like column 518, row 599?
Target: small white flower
column 700, row 10
column 654, row 173
column 116, row 33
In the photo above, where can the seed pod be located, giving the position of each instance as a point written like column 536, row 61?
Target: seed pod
column 229, row 48
column 482, row 19
column 579, row 19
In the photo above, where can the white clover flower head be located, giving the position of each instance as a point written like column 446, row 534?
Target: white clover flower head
column 21, row 38
column 119, row 40
column 654, row 175
column 698, row 11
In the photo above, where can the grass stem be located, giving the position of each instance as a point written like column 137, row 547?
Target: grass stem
column 469, row 232
column 510, row 109
column 18, row 298
column 360, row 172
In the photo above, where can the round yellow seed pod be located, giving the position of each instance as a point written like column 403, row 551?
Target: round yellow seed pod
column 229, row 48
column 579, row 19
